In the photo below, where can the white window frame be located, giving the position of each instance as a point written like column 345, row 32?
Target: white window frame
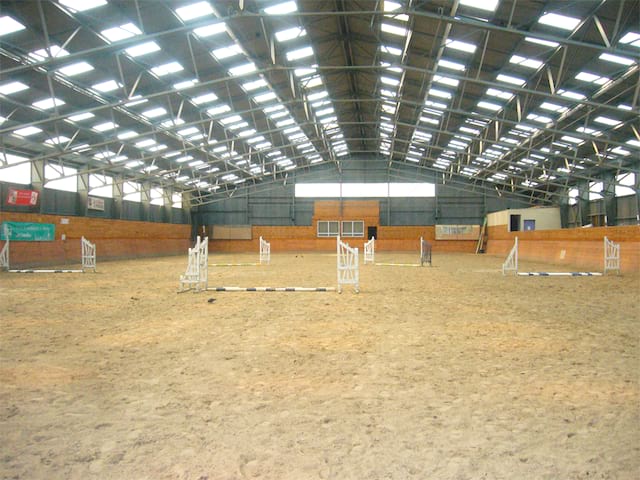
column 328, row 228
column 351, row 231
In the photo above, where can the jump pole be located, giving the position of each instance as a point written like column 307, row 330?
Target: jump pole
column 425, row 257
column 271, row 289
column 88, row 255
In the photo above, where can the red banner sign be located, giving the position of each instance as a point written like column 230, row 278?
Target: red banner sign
column 22, row 197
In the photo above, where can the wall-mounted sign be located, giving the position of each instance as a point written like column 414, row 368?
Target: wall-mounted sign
column 22, row 197
column 94, row 203
column 28, row 232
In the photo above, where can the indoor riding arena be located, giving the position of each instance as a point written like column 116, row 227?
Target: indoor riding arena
column 309, row 239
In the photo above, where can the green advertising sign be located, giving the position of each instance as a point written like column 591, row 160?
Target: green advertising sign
column 28, row 232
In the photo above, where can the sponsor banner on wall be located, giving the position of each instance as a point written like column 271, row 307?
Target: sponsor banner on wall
column 457, row 232
column 94, row 203
column 22, row 197
column 28, row 232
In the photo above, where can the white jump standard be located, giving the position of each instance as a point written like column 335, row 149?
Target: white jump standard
column 265, row 258
column 348, row 272
column 196, row 276
column 88, row 258
column 370, row 251
column 265, row 252
column 611, row 256
column 611, row 263
column 425, row 257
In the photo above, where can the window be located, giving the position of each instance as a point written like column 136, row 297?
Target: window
column 53, row 180
column 573, row 196
column 157, row 196
column 132, row 191
column 176, row 200
column 100, row 185
column 625, row 183
column 353, row 228
column 364, row 190
column 18, row 173
column 595, row 190
column 328, row 228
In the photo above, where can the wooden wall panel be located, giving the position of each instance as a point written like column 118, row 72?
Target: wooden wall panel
column 113, row 239
column 582, row 248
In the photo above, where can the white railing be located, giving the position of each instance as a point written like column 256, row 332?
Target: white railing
column 370, row 251
column 4, row 254
column 611, row 256
column 425, row 252
column 265, row 252
column 196, row 276
column 511, row 263
column 348, row 273
column 88, row 254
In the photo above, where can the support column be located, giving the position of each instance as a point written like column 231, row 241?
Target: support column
column 37, row 180
column 117, row 197
column 145, row 201
column 583, row 203
column 609, row 198
column 83, row 194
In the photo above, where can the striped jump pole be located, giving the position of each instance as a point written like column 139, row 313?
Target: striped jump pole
column 560, row 274
column 45, row 271
column 271, row 289
column 235, row 264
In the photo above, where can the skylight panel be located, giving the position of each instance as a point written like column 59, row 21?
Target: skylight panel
column 390, row 81
column 290, row 34
column 607, row 57
column 390, row 50
column 462, row 46
column 255, row 84
column 142, row 49
column 9, row 25
column 451, row 65
column 27, row 131
column 57, row 140
column 136, row 100
column 553, row 107
column 631, row 37
column 76, row 69
column 489, row 106
column 185, row 84
column 512, row 80
column 167, row 68
column 589, row 131
column 194, row 10
column 281, row 8
column 12, row 87
column 205, row 98
column 607, row 121
column 231, row 119
column 559, row 21
column 218, row 109
column 494, row 92
column 571, row 94
column 539, row 118
column 48, row 103
column 303, row 72
column 227, row 52
column 317, row 95
column 127, row 134
column 154, row 112
column 82, row 5
column 539, row 41
column 106, row 126
column 393, row 29
column 312, row 82
column 488, row 5
column 299, row 53
column 211, row 29
column 115, row 34
column 243, row 69
column 81, row 116
column 592, row 78
column 525, row 62
column 439, row 93
column 568, row 138
column 145, row 143
column 185, row 132
column 452, row 82
column 43, row 54
column 106, row 86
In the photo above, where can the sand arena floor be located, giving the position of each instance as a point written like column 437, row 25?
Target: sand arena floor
column 448, row 372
